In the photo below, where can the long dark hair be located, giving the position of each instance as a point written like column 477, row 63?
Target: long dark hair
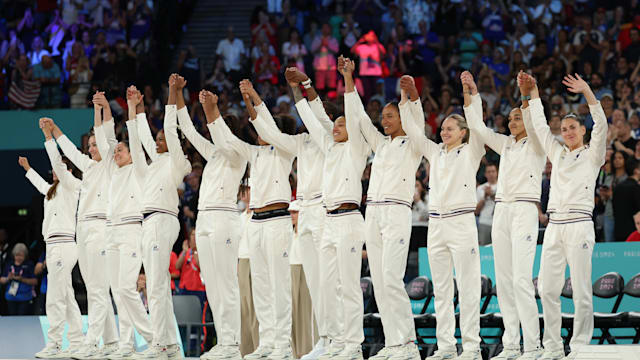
column 52, row 190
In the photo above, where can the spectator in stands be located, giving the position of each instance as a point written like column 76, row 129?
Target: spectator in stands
column 324, row 49
column 626, row 201
column 79, row 82
column 19, row 279
column 419, row 208
column 267, row 67
column 486, row 194
column 588, row 43
column 618, row 174
column 233, row 53
column 294, row 50
column 47, row 72
column 261, row 24
column 189, row 266
column 141, row 288
column 632, row 52
column 370, row 53
column 623, row 140
column 635, row 236
column 37, row 51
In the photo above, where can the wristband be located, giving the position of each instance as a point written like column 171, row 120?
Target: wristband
column 306, row 84
column 525, row 97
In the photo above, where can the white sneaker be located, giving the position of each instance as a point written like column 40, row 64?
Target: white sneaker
column 404, row 352
column 552, row 355
column 383, row 354
column 443, row 355
column 318, row 350
column 334, row 349
column 223, row 352
column 109, row 349
column 470, row 355
column 90, row 351
column 350, row 352
column 152, row 352
column 508, row 354
column 51, row 351
column 262, row 352
column 572, row 355
column 174, row 352
column 283, row 353
column 532, row 355
column 122, row 353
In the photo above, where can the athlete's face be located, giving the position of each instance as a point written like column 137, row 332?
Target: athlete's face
column 340, row 130
column 516, row 125
column 451, row 133
column 122, row 155
column 161, row 143
column 572, row 133
column 391, row 121
column 93, row 149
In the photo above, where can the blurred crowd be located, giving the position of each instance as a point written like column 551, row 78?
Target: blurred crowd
column 68, row 53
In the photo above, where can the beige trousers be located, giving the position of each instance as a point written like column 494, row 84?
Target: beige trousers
column 304, row 331
column 249, row 322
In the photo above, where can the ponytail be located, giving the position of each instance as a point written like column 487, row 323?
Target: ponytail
column 52, row 190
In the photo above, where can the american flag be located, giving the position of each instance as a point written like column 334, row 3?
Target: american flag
column 26, row 97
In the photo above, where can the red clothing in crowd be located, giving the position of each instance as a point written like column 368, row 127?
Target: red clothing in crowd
column 172, row 269
column 190, row 275
column 635, row 236
column 268, row 75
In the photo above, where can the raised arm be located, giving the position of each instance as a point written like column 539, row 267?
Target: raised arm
column 354, row 109
column 598, row 143
column 473, row 114
column 180, row 163
column 106, row 142
column 59, row 167
column 135, row 146
column 356, row 139
column 148, row 143
column 295, row 76
column 543, row 133
column 80, row 160
column 36, row 180
column 264, row 123
column 230, row 146
column 420, row 143
column 202, row 144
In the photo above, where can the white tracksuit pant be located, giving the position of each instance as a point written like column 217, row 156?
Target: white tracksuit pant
column 311, row 222
column 125, row 260
column 388, row 233
column 159, row 232
column 92, row 258
column 570, row 243
column 269, row 242
column 61, row 303
column 218, row 236
column 515, row 234
column 453, row 242
column 341, row 259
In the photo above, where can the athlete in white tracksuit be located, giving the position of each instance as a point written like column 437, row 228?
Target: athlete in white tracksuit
column 452, row 240
column 346, row 154
column 124, row 252
column 91, row 234
column 569, row 238
column 218, row 233
column 310, row 161
column 269, row 233
column 388, row 219
column 515, row 223
column 58, row 230
column 160, row 226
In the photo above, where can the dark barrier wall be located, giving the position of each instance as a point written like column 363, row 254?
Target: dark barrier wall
column 20, row 136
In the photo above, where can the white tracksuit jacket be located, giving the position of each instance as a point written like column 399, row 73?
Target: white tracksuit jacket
column 388, row 218
column 453, row 236
column 515, row 225
column 58, row 230
column 569, row 238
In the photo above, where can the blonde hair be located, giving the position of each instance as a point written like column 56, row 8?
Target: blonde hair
column 462, row 124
